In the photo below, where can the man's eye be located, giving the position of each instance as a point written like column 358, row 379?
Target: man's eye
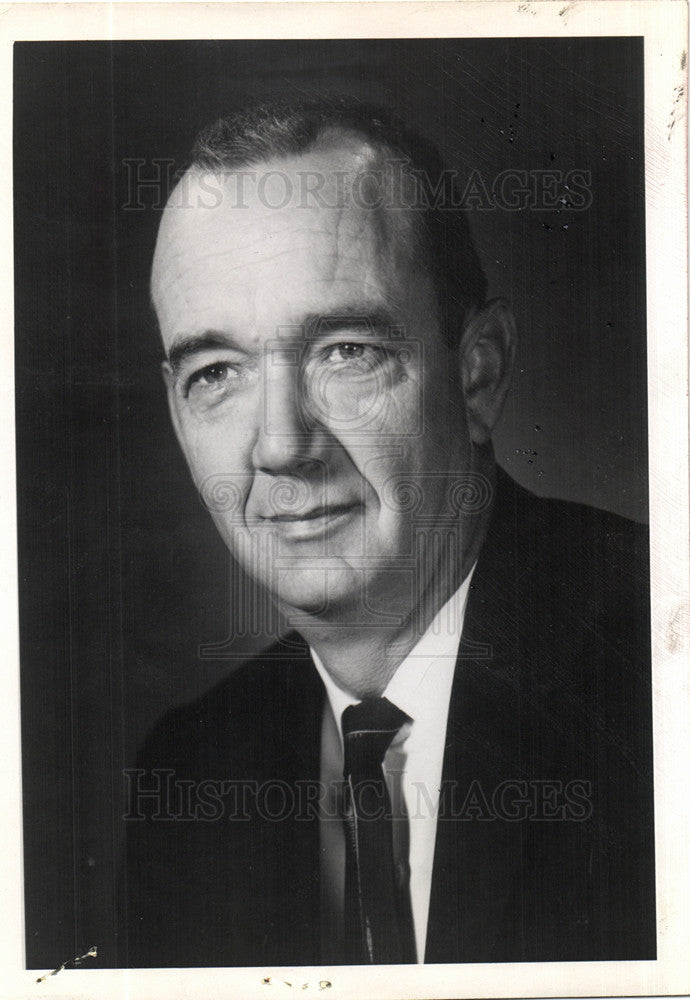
column 362, row 357
column 210, row 376
column 348, row 352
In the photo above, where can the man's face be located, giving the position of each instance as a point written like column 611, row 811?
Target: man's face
column 310, row 386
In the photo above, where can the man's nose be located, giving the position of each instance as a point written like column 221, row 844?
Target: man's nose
column 286, row 435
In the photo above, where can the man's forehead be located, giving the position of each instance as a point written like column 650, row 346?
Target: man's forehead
column 341, row 185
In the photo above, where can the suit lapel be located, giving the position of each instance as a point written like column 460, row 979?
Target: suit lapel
column 477, row 862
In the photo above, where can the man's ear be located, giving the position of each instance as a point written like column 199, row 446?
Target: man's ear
column 487, row 352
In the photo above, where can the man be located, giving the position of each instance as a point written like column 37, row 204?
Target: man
column 450, row 759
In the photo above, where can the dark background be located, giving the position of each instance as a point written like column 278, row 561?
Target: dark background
column 126, row 593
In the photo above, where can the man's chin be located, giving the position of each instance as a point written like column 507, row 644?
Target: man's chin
column 307, row 601
column 309, row 593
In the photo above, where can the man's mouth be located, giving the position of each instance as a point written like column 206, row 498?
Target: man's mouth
column 313, row 522
column 326, row 510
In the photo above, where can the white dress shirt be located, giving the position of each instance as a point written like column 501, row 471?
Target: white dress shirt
column 420, row 687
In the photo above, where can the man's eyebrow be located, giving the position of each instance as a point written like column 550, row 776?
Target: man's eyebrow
column 365, row 322
column 185, row 347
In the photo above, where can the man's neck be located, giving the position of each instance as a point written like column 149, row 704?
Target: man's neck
column 362, row 659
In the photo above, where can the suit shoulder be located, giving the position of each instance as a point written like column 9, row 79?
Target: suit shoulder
column 244, row 702
column 572, row 582
column 575, row 541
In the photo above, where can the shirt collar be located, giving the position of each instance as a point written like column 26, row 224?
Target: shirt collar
column 426, row 672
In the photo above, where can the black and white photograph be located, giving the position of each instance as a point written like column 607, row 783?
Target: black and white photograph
column 332, row 419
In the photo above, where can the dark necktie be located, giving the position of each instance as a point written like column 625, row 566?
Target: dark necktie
column 378, row 922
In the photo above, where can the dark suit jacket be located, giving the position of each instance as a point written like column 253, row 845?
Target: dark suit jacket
column 544, row 848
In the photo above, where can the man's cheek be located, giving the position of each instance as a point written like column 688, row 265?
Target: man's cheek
column 404, row 415
column 395, row 492
column 216, row 450
column 195, row 442
column 385, row 422
column 224, row 491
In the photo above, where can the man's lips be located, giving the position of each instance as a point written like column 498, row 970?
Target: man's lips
column 324, row 511
column 313, row 524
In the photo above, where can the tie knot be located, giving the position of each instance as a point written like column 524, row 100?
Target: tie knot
column 368, row 730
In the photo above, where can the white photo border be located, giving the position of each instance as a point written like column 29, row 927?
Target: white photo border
column 663, row 24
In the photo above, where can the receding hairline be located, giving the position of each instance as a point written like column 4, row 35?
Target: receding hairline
column 363, row 157
column 373, row 154
column 272, row 131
